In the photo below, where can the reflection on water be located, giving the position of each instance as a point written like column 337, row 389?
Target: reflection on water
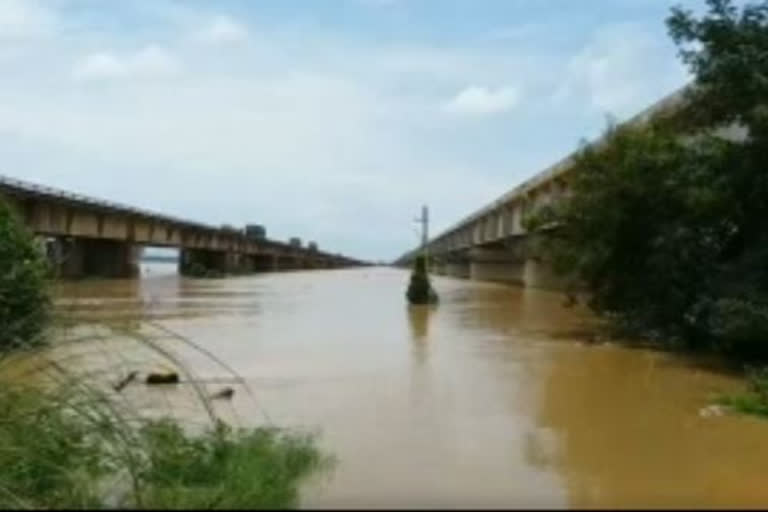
column 630, row 434
column 490, row 399
column 418, row 317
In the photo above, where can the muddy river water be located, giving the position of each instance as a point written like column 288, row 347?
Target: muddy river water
column 491, row 399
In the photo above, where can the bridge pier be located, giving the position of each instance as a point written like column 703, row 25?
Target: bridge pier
column 195, row 262
column 287, row 262
column 263, row 262
column 516, row 264
column 539, row 274
column 500, row 265
column 458, row 269
column 74, row 258
column 505, row 272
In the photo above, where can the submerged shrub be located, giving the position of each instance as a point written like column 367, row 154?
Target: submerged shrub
column 420, row 289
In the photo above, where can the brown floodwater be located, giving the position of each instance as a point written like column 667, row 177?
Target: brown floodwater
column 491, row 399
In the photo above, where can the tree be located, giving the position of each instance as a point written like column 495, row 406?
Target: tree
column 642, row 226
column 666, row 223
column 420, row 289
column 725, row 50
column 24, row 299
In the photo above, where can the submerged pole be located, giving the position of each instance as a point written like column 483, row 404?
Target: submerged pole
column 420, row 290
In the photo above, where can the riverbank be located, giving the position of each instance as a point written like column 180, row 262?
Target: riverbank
column 73, row 438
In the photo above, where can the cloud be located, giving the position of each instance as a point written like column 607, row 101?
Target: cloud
column 622, row 69
column 24, row 18
column 483, row 100
column 350, row 127
column 98, row 66
column 150, row 62
column 223, row 30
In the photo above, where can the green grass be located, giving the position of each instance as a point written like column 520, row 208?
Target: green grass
column 754, row 401
column 224, row 468
column 70, row 441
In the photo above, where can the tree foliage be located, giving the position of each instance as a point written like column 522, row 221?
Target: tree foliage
column 420, row 289
column 24, row 301
column 668, row 227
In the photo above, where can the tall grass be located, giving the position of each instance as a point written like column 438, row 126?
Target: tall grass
column 69, row 440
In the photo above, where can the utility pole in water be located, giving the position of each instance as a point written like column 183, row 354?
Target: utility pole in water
column 424, row 221
column 420, row 290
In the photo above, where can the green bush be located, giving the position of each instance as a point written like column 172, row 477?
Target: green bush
column 74, row 449
column 643, row 227
column 740, row 327
column 47, row 457
column 755, row 399
column 665, row 223
column 24, row 299
column 224, row 468
column 420, row 289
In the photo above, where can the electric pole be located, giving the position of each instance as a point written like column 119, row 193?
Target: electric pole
column 424, row 221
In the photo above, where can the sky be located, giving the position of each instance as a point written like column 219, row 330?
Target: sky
column 331, row 120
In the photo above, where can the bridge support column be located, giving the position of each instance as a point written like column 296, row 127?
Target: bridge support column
column 287, row 262
column 456, row 269
column 539, row 274
column 239, row 263
column 437, row 267
column 201, row 262
column 263, row 262
column 66, row 257
column 74, row 258
column 248, row 264
column 516, row 265
column 496, row 265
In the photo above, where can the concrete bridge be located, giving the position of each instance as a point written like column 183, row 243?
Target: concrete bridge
column 492, row 244
column 91, row 237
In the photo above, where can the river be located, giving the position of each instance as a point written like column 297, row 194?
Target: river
column 491, row 399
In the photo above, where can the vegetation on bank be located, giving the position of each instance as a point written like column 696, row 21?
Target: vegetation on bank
column 77, row 449
column 24, row 300
column 72, row 441
column 666, row 224
column 755, row 399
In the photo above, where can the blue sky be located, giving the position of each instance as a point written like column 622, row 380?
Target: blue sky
column 332, row 120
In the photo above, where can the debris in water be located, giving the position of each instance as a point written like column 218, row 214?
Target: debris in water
column 163, row 378
column 712, row 411
column 126, row 380
column 226, row 393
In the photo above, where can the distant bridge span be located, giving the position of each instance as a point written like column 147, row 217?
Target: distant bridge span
column 94, row 237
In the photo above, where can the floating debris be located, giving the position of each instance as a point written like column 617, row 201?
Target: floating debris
column 126, row 380
column 225, row 393
column 712, row 411
column 163, row 378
